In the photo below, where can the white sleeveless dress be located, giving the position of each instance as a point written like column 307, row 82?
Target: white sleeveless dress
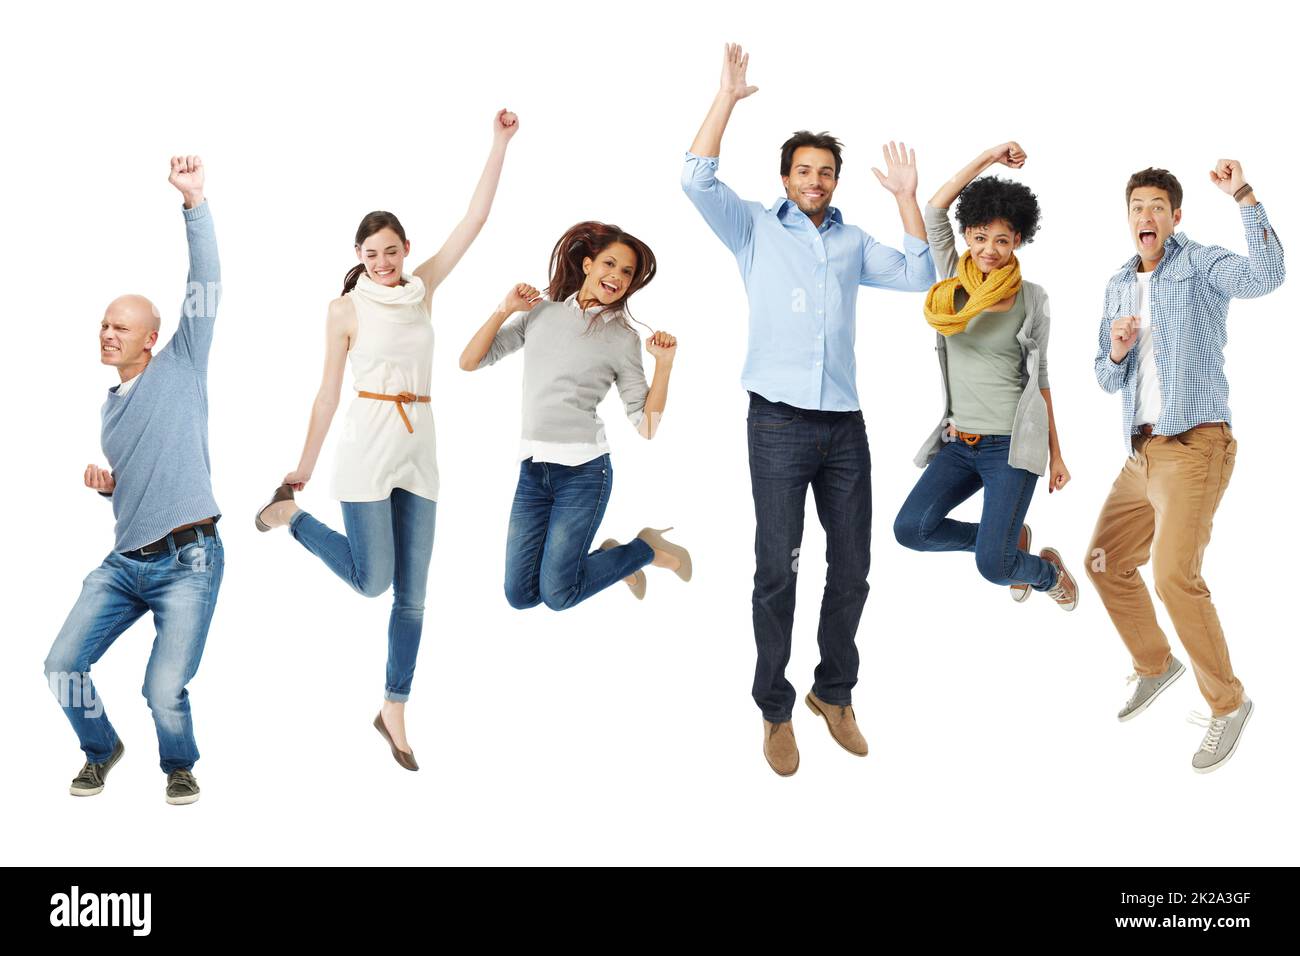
column 392, row 353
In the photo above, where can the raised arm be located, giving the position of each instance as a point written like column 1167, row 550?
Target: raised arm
column 722, row 209
column 733, row 88
column 1263, row 269
column 193, row 339
column 340, row 333
column 433, row 270
column 1008, row 154
column 492, row 342
column 646, row 406
column 899, row 179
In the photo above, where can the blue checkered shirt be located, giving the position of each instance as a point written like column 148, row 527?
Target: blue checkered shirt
column 1190, row 291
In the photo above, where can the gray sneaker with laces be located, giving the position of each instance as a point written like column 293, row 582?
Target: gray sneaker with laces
column 1221, row 736
column 182, row 788
column 91, row 779
column 1149, row 688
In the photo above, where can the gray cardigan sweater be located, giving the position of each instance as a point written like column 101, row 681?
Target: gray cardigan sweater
column 1029, row 446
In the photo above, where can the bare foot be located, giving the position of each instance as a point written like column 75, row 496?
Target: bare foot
column 280, row 513
column 393, row 713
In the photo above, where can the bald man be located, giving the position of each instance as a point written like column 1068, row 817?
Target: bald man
column 167, row 557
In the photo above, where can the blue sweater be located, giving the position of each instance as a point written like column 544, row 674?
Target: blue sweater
column 155, row 437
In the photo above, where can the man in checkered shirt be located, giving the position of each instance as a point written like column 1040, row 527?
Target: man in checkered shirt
column 1161, row 346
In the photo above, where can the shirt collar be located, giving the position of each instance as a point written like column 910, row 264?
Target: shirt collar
column 1173, row 245
column 572, row 302
column 785, row 204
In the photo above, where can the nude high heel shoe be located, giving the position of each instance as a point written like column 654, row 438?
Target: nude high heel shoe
column 655, row 538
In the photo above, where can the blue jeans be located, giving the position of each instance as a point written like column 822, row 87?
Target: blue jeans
column 180, row 588
column 387, row 542
column 790, row 449
column 556, row 512
column 956, row 473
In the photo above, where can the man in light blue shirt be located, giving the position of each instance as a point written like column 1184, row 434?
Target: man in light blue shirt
column 802, row 266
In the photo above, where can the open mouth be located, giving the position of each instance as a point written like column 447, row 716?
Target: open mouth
column 1147, row 238
column 609, row 287
column 383, row 273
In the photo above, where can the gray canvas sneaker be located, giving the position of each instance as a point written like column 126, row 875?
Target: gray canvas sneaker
column 182, row 788
column 1148, row 688
column 1221, row 736
column 91, row 779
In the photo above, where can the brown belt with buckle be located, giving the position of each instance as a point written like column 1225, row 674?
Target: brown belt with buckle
column 1149, row 430
column 969, row 438
column 400, row 399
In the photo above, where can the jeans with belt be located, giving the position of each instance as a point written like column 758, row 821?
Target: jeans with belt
column 179, row 585
column 791, row 449
column 387, row 542
column 956, row 473
column 556, row 512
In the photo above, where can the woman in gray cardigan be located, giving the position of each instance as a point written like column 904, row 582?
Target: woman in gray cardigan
column 997, row 432
column 576, row 346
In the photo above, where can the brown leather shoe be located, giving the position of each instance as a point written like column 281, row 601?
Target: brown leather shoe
column 1065, row 591
column 1021, row 592
column 840, row 722
column 283, row 493
column 406, row 759
column 779, row 747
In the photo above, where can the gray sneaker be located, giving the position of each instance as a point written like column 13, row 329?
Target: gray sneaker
column 91, row 779
column 1149, row 688
column 182, row 788
column 1221, row 736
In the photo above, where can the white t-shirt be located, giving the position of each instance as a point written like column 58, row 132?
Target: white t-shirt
column 126, row 386
column 1147, row 410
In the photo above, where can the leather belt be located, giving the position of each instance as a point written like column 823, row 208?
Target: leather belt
column 400, row 399
column 180, row 536
column 1149, row 430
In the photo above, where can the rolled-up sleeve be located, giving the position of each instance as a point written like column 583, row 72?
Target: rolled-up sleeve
column 726, row 213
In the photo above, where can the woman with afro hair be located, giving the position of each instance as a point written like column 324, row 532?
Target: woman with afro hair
column 577, row 342
column 997, row 432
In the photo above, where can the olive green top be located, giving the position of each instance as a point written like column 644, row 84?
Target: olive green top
column 984, row 371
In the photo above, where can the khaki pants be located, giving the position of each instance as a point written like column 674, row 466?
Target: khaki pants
column 1161, row 508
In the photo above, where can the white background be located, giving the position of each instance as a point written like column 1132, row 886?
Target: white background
column 621, row 732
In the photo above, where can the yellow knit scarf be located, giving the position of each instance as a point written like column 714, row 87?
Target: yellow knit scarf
column 982, row 291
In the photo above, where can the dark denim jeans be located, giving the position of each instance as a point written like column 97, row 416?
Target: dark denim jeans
column 387, row 542
column 556, row 512
column 956, row 473
column 789, row 449
column 180, row 587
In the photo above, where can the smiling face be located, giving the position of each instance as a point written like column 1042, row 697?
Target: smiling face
column 608, row 275
column 812, row 181
column 127, row 333
column 991, row 245
column 382, row 253
column 1151, row 220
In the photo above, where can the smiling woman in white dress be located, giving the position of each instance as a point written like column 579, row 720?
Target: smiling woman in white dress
column 386, row 468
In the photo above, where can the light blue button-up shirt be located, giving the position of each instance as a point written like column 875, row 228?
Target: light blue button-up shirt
column 802, row 282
